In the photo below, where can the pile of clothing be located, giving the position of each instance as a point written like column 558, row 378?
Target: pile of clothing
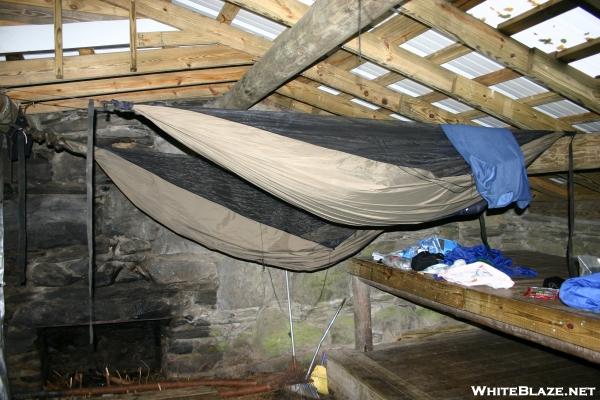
column 448, row 260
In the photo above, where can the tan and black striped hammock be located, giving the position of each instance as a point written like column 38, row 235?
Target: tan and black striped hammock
column 293, row 190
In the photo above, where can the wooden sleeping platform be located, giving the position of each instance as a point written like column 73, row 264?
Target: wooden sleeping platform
column 446, row 365
column 549, row 323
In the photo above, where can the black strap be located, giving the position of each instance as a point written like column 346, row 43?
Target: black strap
column 22, row 209
column 89, row 173
column 483, row 230
column 571, row 217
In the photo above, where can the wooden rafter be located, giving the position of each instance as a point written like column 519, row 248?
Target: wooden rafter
column 164, row 80
column 227, row 13
column 559, row 77
column 323, row 28
column 58, row 40
column 41, row 71
column 536, row 15
column 132, row 36
column 583, row 50
column 88, row 7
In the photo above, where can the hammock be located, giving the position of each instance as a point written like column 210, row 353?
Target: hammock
column 297, row 191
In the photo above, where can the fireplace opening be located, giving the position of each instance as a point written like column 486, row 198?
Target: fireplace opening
column 122, row 353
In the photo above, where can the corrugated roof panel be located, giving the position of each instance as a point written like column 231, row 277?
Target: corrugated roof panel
column 400, row 117
column 257, row 25
column 561, row 108
column 589, row 127
column 365, row 104
column 410, row 88
column 472, row 65
column 494, row 12
column 490, row 122
column 307, row 2
column 519, row 88
column 329, row 90
column 452, row 106
column 427, row 43
column 369, row 71
column 589, row 65
column 565, row 30
column 210, row 8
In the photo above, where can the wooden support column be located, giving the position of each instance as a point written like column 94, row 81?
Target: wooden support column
column 58, row 40
column 325, row 26
column 133, row 36
column 363, row 333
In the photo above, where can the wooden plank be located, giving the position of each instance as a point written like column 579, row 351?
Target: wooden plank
column 574, row 331
column 361, row 305
column 583, row 50
column 317, row 98
column 581, row 118
column 40, row 71
column 189, row 92
column 114, row 86
column 323, row 28
column 132, row 36
column 476, row 34
column 98, row 7
column 173, row 39
column 58, row 38
column 536, row 15
column 227, row 13
column 586, row 155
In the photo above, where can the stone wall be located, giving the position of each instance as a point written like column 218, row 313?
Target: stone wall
column 226, row 316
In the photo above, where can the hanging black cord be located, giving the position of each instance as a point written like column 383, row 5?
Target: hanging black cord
column 571, row 213
column 89, row 171
column 21, row 142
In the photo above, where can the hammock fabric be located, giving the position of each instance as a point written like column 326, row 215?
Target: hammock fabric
column 293, row 190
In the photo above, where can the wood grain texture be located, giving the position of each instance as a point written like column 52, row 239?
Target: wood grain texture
column 507, row 307
column 40, row 71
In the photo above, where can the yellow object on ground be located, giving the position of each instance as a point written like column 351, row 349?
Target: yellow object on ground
column 319, row 378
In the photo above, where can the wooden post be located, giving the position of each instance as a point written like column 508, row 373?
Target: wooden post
column 363, row 334
column 133, row 36
column 58, row 40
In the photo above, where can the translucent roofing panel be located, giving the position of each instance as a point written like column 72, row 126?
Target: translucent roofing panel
column 563, row 31
column 329, row 90
column 472, row 65
column 589, row 126
column 307, row 2
column 365, row 104
column 452, row 106
column 427, row 43
column 410, row 88
column 494, row 12
column 490, row 122
column 589, row 65
column 210, row 8
column 561, row 108
column 401, row 118
column 23, row 38
column 519, row 88
column 369, row 71
column 258, row 25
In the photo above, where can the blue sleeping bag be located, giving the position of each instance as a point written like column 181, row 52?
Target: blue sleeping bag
column 582, row 292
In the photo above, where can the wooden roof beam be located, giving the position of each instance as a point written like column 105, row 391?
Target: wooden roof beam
column 41, row 71
column 557, row 76
column 227, row 13
column 582, row 50
column 325, row 26
column 536, row 15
